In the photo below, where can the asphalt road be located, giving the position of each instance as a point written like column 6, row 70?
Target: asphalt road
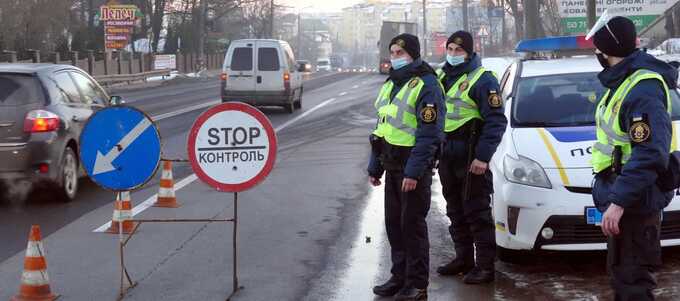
column 312, row 231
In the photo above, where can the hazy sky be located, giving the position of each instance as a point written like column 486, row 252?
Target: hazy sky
column 319, row 5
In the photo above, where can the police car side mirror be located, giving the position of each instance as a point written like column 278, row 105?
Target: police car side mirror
column 116, row 100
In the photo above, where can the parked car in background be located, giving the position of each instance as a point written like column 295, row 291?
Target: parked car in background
column 323, row 65
column 43, row 108
column 306, row 64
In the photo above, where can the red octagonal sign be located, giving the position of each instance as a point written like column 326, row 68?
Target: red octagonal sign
column 232, row 147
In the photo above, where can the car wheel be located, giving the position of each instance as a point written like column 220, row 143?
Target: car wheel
column 68, row 180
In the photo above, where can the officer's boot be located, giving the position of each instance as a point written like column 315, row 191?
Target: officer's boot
column 480, row 275
column 411, row 294
column 463, row 263
column 389, row 288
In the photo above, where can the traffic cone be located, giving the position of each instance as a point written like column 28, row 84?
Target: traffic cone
column 166, row 194
column 35, row 285
column 122, row 214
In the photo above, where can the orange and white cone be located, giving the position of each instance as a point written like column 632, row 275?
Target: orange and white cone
column 166, row 194
column 35, row 285
column 122, row 215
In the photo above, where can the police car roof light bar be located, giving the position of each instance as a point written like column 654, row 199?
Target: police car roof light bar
column 566, row 43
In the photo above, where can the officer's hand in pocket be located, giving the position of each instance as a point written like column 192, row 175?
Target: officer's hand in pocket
column 408, row 185
column 478, row 167
column 374, row 181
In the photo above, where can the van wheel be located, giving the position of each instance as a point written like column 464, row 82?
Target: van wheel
column 298, row 102
column 289, row 107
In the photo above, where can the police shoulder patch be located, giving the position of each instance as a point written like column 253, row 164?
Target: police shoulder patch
column 464, row 85
column 428, row 114
column 413, row 83
column 495, row 100
column 639, row 131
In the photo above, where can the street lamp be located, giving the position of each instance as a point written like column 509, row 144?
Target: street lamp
column 299, row 35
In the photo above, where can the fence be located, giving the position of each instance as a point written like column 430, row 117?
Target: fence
column 121, row 62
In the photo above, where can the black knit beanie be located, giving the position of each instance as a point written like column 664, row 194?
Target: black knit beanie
column 620, row 42
column 409, row 43
column 462, row 39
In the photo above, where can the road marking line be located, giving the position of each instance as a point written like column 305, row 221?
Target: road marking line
column 185, row 110
column 191, row 178
column 343, row 94
column 355, row 86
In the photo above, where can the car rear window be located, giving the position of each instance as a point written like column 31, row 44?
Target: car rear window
column 563, row 100
column 267, row 59
column 242, row 59
column 17, row 89
column 322, row 63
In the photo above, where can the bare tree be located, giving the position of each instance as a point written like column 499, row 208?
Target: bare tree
column 517, row 12
column 550, row 17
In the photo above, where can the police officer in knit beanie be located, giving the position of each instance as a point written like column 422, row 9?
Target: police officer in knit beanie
column 462, row 39
column 409, row 43
column 617, row 38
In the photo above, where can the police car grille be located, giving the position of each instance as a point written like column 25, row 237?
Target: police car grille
column 574, row 230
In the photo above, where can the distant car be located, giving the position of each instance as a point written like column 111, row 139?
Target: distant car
column 305, row 63
column 43, row 108
column 262, row 72
column 323, row 65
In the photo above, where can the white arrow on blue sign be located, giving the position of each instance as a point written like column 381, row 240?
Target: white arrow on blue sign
column 120, row 148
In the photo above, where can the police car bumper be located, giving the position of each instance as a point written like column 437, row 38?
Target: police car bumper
column 554, row 219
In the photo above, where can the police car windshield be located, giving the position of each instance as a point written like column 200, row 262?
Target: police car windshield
column 562, row 100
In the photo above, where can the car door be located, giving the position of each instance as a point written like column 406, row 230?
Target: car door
column 296, row 76
column 240, row 71
column 75, row 111
column 270, row 71
column 92, row 94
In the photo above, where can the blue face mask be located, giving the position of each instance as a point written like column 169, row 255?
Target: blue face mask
column 399, row 63
column 455, row 60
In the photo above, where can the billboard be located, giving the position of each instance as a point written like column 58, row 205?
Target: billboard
column 119, row 22
column 641, row 12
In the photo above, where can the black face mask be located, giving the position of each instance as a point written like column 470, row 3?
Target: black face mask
column 602, row 60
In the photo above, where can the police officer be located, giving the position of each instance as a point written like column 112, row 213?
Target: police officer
column 632, row 148
column 475, row 123
column 405, row 144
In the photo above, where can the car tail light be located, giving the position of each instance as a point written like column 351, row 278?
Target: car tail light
column 43, row 168
column 41, row 121
column 286, row 80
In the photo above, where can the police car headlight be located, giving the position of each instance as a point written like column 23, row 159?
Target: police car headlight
column 525, row 171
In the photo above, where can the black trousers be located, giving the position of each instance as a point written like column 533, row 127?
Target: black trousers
column 471, row 221
column 405, row 214
column 633, row 255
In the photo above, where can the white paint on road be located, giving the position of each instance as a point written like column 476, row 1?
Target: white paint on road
column 185, row 110
column 191, row 178
column 355, row 86
column 342, row 93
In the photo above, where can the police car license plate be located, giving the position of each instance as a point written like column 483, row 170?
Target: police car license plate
column 593, row 216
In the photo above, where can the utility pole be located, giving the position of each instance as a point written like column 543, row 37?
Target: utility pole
column 299, row 37
column 466, row 26
column 425, row 28
column 201, row 34
column 271, row 19
column 591, row 13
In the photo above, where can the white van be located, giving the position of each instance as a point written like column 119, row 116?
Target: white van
column 262, row 72
column 323, row 64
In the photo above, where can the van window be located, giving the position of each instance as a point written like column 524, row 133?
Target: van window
column 268, row 59
column 242, row 59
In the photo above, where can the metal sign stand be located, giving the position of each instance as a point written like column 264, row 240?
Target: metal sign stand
column 235, row 287
column 124, row 275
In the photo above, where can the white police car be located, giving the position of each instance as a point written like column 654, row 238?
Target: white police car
column 542, row 170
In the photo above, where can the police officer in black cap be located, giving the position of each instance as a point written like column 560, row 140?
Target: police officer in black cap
column 405, row 144
column 474, row 126
column 634, row 135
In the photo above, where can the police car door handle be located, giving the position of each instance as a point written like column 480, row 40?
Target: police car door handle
column 259, row 79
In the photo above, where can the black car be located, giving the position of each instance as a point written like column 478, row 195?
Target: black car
column 43, row 108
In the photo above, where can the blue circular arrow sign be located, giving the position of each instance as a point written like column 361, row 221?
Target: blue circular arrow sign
column 120, row 148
